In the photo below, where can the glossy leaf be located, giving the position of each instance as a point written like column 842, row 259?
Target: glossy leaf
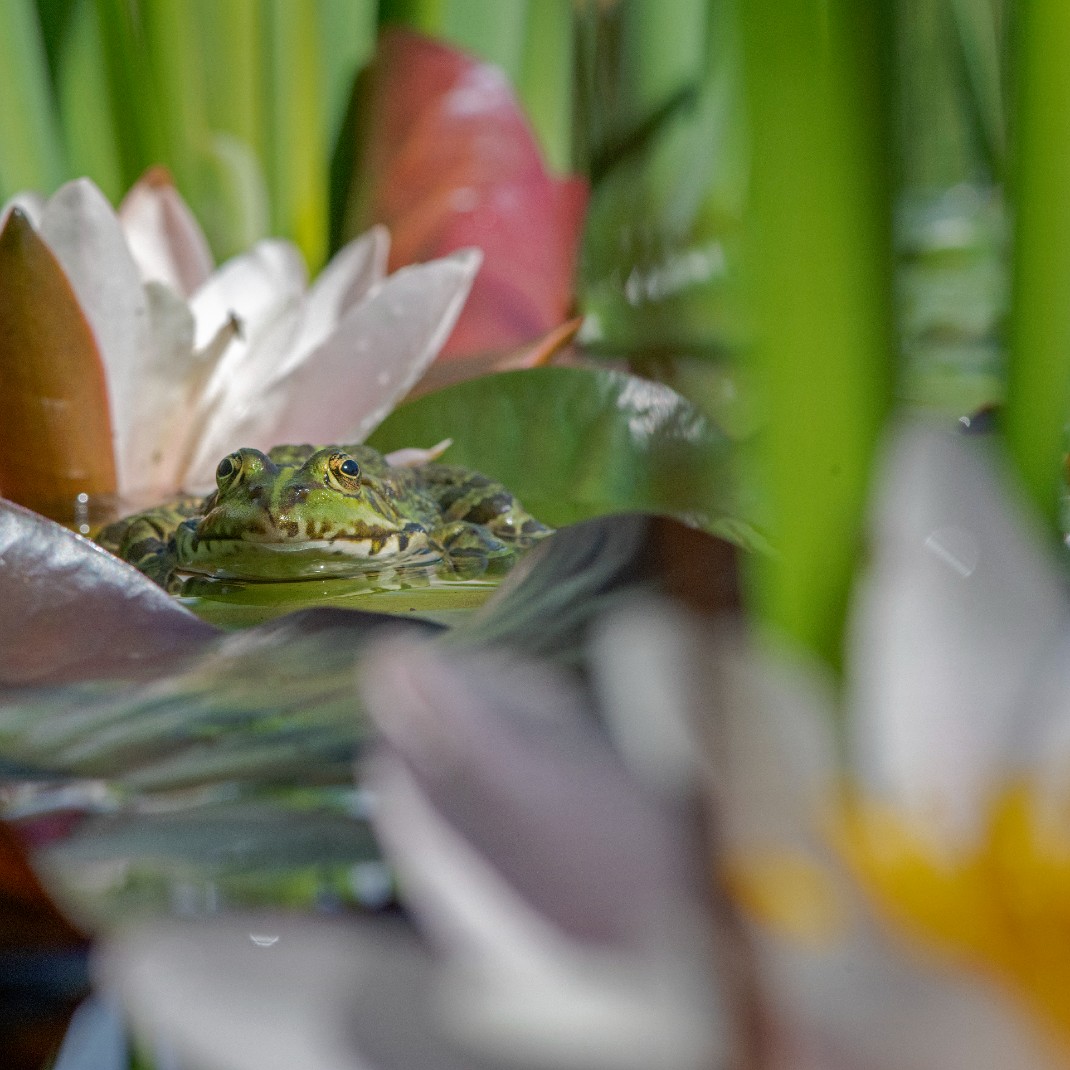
column 575, row 442
column 69, row 610
column 450, row 161
column 55, row 431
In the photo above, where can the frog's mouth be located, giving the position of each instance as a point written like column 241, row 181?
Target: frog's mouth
column 236, row 557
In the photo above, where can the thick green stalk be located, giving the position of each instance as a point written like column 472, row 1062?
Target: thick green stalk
column 820, row 291
column 546, row 78
column 494, row 31
column 85, row 104
column 978, row 24
column 663, row 54
column 1038, row 379
column 173, row 38
column 347, row 41
column 137, row 108
column 297, row 157
column 31, row 153
column 231, row 32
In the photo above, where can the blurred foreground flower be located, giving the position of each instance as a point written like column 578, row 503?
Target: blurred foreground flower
column 553, row 866
column 907, row 878
column 901, row 873
column 128, row 366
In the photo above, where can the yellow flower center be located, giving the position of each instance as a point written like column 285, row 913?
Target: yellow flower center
column 1001, row 905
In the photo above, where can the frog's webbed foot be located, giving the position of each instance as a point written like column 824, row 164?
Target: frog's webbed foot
column 468, row 496
column 461, row 538
column 146, row 540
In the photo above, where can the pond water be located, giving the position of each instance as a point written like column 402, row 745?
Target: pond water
column 430, row 592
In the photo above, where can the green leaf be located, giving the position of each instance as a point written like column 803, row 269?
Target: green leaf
column 31, row 153
column 574, row 443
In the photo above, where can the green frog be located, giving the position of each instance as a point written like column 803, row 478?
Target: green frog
column 302, row 512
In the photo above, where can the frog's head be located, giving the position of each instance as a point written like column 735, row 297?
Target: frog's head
column 320, row 518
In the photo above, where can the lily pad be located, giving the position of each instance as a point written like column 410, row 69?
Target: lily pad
column 574, row 443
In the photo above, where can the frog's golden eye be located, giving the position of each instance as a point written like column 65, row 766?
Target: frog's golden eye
column 228, row 470
column 343, row 472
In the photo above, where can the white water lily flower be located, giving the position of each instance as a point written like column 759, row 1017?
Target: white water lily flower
column 201, row 361
column 907, row 879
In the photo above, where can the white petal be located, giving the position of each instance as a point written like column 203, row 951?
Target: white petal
column 255, row 993
column 83, row 231
column 236, row 409
column 165, row 239
column 168, row 372
column 345, row 387
column 344, row 282
column 31, row 203
column 253, row 286
column 859, row 1004
column 959, row 608
column 774, row 763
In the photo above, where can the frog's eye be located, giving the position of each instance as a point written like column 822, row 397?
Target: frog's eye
column 343, row 472
column 227, row 471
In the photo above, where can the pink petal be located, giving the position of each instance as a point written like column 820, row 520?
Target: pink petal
column 345, row 281
column 164, row 237
column 342, row 391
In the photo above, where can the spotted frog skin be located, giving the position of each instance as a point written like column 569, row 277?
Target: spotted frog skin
column 303, row 512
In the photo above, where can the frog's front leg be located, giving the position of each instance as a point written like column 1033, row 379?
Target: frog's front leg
column 146, row 540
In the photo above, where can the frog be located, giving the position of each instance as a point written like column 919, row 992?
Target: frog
column 300, row 512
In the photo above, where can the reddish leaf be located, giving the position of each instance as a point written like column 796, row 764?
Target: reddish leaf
column 450, row 161
column 28, row 917
column 55, row 429
column 36, row 937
